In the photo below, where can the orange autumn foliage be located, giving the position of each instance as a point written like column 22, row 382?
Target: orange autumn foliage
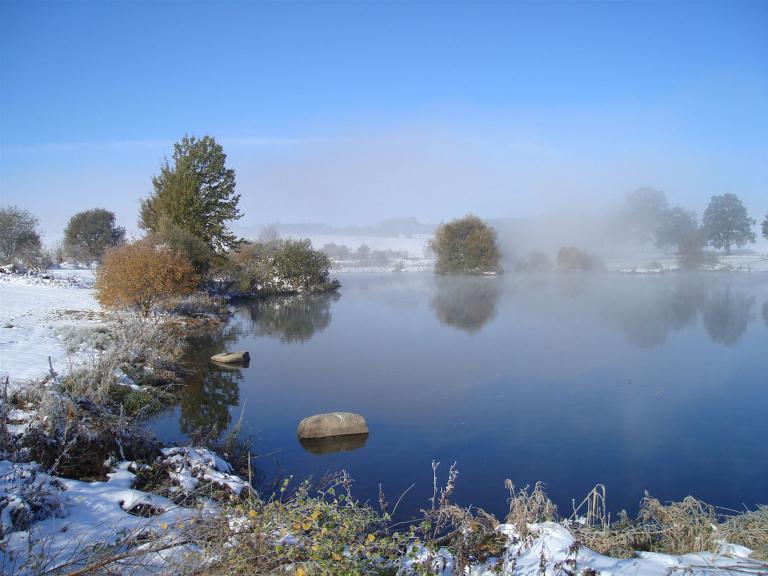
column 141, row 274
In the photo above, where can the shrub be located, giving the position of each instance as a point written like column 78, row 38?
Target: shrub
column 466, row 246
column 88, row 234
column 251, row 265
column 298, row 262
column 19, row 239
column 280, row 266
column 570, row 259
column 141, row 274
column 191, row 247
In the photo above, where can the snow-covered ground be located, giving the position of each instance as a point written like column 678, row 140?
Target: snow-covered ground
column 35, row 313
column 551, row 550
column 741, row 261
column 48, row 522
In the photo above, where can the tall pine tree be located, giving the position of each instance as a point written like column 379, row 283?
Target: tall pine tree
column 196, row 193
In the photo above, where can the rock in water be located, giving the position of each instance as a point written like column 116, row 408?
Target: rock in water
column 231, row 357
column 332, row 424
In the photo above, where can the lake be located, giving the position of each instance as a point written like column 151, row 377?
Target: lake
column 655, row 383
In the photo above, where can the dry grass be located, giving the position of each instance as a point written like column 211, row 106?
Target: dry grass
column 528, row 507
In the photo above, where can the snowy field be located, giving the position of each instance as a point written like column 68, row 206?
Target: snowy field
column 35, row 313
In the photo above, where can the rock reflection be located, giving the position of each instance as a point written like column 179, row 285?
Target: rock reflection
column 210, row 389
column 726, row 315
column 292, row 318
column 466, row 303
column 333, row 444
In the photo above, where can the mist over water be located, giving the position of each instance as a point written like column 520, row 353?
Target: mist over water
column 640, row 383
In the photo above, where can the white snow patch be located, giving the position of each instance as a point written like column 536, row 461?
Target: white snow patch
column 69, row 516
column 190, row 465
column 33, row 314
column 551, row 550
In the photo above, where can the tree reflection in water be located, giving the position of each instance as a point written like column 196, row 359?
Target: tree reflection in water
column 466, row 302
column 648, row 321
column 726, row 315
column 292, row 318
column 765, row 312
column 210, row 389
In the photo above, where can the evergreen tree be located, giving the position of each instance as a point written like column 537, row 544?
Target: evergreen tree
column 765, row 226
column 726, row 223
column 196, row 193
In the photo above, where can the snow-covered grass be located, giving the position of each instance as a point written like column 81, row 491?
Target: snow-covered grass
column 656, row 261
column 35, row 312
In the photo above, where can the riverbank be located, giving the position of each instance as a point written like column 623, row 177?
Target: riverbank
column 150, row 508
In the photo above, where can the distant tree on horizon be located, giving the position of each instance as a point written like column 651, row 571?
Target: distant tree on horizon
column 19, row 239
column 679, row 228
column 643, row 212
column 465, row 246
column 89, row 233
column 765, row 226
column 726, row 223
column 195, row 193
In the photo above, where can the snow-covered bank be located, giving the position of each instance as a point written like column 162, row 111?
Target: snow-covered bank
column 48, row 522
column 35, row 313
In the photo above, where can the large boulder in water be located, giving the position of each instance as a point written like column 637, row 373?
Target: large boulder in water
column 231, row 357
column 332, row 424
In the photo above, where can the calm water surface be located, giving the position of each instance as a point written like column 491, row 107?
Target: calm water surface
column 640, row 383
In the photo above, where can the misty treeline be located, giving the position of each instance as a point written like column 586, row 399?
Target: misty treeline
column 194, row 201
column 363, row 255
column 648, row 219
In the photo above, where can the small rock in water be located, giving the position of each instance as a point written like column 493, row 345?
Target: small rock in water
column 332, row 424
column 231, row 357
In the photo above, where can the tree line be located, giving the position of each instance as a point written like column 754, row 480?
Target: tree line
column 194, row 201
column 187, row 242
column 648, row 218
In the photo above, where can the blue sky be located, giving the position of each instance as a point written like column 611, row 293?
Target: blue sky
column 358, row 111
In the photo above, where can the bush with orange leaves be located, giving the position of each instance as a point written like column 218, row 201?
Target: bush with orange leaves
column 141, row 274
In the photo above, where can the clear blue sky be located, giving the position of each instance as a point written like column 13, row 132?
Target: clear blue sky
column 357, row 111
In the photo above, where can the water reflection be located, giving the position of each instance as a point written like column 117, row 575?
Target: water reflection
column 649, row 317
column 210, row 389
column 726, row 315
column 292, row 318
column 538, row 353
column 466, row 303
column 333, row 444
